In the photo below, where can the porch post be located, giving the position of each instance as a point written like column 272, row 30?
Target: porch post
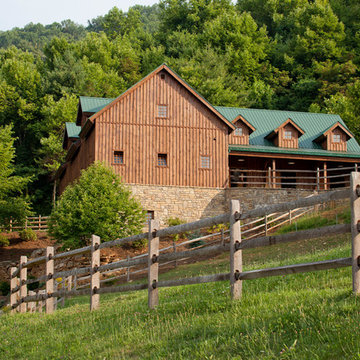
column 325, row 177
column 274, row 173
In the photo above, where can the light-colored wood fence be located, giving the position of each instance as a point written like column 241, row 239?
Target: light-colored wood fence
column 32, row 222
column 20, row 299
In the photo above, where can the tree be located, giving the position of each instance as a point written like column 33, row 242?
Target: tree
column 97, row 203
column 13, row 203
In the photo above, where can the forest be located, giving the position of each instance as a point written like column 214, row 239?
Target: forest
column 301, row 55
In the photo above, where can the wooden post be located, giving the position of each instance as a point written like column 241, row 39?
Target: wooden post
column 26, row 223
column 63, row 288
column 128, row 270
column 13, row 284
column 290, row 216
column 318, row 179
column 39, row 222
column 222, row 237
column 325, row 177
column 153, row 264
column 174, row 248
column 266, row 225
column 235, row 254
column 274, row 173
column 23, row 286
column 269, row 177
column 10, row 225
column 356, row 167
column 32, row 304
column 95, row 273
column 355, row 229
column 50, row 301
column 69, row 285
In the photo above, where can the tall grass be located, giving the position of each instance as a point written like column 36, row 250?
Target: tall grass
column 303, row 316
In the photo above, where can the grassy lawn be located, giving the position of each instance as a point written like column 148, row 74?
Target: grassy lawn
column 303, row 316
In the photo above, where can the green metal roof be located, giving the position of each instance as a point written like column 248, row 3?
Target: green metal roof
column 93, row 104
column 72, row 130
column 265, row 121
column 287, row 151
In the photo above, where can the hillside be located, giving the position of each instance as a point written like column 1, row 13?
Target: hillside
column 302, row 316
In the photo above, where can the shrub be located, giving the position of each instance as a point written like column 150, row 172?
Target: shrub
column 97, row 203
column 139, row 244
column 173, row 222
column 4, row 241
column 195, row 235
column 28, row 235
column 4, row 288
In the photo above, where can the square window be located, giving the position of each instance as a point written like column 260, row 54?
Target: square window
column 205, row 162
column 162, row 111
column 118, row 157
column 336, row 138
column 162, row 159
column 239, row 131
column 288, row 135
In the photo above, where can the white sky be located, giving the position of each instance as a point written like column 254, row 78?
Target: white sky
column 18, row 13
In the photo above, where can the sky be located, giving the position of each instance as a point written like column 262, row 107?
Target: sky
column 18, row 13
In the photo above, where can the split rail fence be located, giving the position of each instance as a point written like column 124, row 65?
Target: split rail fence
column 20, row 298
column 32, row 222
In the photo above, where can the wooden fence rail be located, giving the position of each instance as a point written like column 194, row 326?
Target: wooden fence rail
column 154, row 258
column 31, row 222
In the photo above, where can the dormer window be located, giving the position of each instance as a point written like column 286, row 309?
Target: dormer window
column 242, row 131
column 336, row 138
column 239, row 131
column 286, row 135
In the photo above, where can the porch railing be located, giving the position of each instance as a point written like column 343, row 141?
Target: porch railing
column 319, row 179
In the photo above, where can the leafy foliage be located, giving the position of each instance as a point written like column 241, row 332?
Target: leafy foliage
column 27, row 235
column 4, row 241
column 98, row 203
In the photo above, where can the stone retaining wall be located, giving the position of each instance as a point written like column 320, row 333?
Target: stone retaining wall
column 193, row 203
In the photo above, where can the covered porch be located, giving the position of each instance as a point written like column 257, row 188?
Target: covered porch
column 273, row 171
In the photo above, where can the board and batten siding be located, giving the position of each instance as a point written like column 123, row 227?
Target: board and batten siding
column 189, row 131
column 240, row 139
column 81, row 160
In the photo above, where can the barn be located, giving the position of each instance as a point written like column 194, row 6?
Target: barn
column 183, row 157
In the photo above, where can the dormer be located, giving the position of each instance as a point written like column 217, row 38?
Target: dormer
column 334, row 138
column 286, row 135
column 240, row 136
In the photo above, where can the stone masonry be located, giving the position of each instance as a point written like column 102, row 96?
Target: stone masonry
column 194, row 203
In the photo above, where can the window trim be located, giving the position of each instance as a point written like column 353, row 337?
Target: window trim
column 162, row 111
column 338, row 136
column 239, row 128
column 203, row 156
column 113, row 158
column 287, row 136
column 166, row 159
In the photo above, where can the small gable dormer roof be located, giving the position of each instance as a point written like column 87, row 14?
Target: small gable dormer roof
column 245, row 122
column 330, row 129
column 72, row 132
column 275, row 132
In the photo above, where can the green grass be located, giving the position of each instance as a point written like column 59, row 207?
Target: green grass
column 340, row 215
column 303, row 316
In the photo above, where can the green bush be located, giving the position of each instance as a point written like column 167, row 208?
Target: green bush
column 28, row 235
column 97, row 203
column 139, row 244
column 4, row 288
column 174, row 222
column 4, row 241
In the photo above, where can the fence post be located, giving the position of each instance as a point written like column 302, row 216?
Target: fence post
column 153, row 264
column 13, row 284
column 174, row 248
column 356, row 167
column 26, row 223
column 23, row 286
column 50, row 301
column 39, row 222
column 235, row 253
column 222, row 237
column 128, row 270
column 10, row 225
column 95, row 273
column 266, row 225
column 355, row 229
column 69, row 285
column 32, row 304
column 290, row 216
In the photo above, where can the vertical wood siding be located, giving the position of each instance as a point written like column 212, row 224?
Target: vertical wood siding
column 288, row 143
column 240, row 140
column 190, row 130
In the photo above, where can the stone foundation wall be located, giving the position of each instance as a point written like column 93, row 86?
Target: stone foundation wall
column 186, row 203
column 194, row 203
column 252, row 198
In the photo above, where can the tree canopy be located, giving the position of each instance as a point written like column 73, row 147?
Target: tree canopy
column 281, row 54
